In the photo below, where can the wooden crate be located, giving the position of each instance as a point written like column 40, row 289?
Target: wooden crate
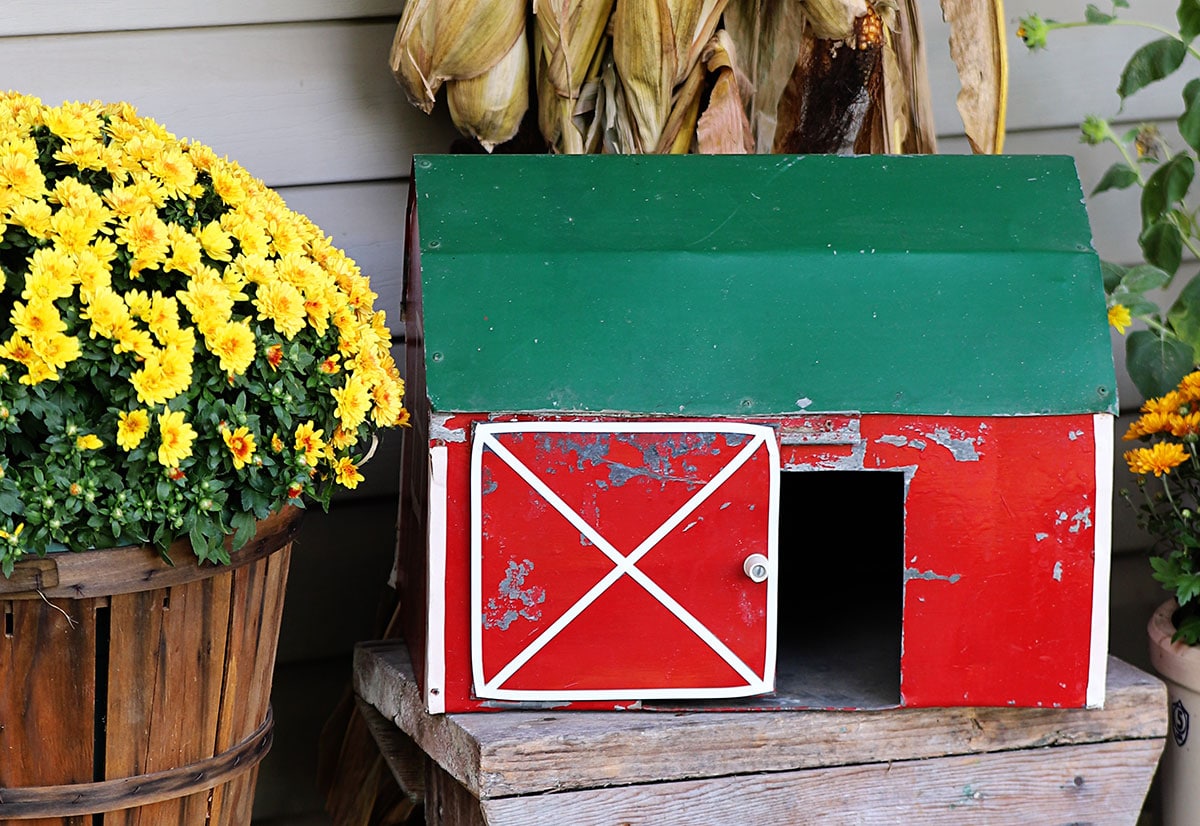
column 137, row 692
column 928, row 766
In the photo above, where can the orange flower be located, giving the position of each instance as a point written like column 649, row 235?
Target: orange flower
column 241, row 445
column 1158, row 459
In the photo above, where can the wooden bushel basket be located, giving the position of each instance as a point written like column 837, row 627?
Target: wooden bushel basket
column 134, row 692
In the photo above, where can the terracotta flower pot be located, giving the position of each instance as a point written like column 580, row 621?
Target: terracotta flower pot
column 1179, row 666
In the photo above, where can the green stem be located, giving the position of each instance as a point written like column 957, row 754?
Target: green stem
column 1137, row 24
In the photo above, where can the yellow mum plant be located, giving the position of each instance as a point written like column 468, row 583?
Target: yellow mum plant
column 1168, row 476
column 180, row 354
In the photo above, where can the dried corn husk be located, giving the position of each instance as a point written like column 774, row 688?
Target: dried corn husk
column 723, row 129
column 766, row 35
column 656, row 44
column 439, row 40
column 570, row 31
column 977, row 49
column 570, row 42
column 833, row 19
column 489, row 107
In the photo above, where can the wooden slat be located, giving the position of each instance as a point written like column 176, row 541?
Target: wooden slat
column 1094, row 783
column 403, row 757
column 157, row 795
column 46, row 727
column 138, row 568
column 297, row 103
column 447, row 803
column 522, row 752
column 23, row 17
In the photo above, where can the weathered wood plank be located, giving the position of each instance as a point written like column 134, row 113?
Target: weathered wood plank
column 403, row 757
column 447, row 803
column 296, row 103
column 47, row 728
column 136, row 568
column 1094, row 783
column 510, row 753
column 23, row 17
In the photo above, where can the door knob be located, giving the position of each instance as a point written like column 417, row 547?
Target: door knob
column 757, row 567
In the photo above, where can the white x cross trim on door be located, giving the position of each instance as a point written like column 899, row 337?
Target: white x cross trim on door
column 624, row 564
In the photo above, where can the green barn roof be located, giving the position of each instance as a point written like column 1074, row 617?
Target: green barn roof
column 763, row 284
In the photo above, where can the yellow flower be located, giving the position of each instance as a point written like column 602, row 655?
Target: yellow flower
column 1119, row 317
column 106, row 312
column 89, row 442
column 33, row 215
column 1147, row 425
column 217, row 243
column 282, row 304
column 233, row 344
column 145, row 236
column 132, row 427
column 176, row 437
column 310, row 442
column 56, row 350
column 1157, row 459
column 353, row 401
column 346, row 473
column 388, row 396
column 241, row 445
column 37, row 318
column 174, row 170
column 21, row 174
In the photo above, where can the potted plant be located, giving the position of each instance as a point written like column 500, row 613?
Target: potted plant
column 184, row 363
column 1161, row 357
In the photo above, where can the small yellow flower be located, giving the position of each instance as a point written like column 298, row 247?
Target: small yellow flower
column 176, row 437
column 346, row 473
column 233, row 343
column 1119, row 317
column 310, row 442
column 132, row 427
column 1147, row 425
column 1157, row 459
column 89, row 442
column 241, row 445
column 353, row 401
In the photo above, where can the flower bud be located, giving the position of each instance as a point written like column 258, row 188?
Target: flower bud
column 1033, row 30
column 1095, row 130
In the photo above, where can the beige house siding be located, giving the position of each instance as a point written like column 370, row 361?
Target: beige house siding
column 299, row 92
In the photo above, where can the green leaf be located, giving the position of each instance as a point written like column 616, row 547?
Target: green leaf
column 1162, row 245
column 1144, row 277
column 1094, row 15
column 1166, row 187
column 1154, row 61
column 1188, row 15
column 1155, row 364
column 243, row 527
column 1139, row 307
column 1118, row 176
column 1112, row 273
column 1184, row 317
column 1189, row 121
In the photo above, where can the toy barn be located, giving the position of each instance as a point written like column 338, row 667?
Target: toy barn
column 755, row 432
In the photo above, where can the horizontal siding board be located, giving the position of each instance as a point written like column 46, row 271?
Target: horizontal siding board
column 24, row 17
column 1075, row 76
column 297, row 103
